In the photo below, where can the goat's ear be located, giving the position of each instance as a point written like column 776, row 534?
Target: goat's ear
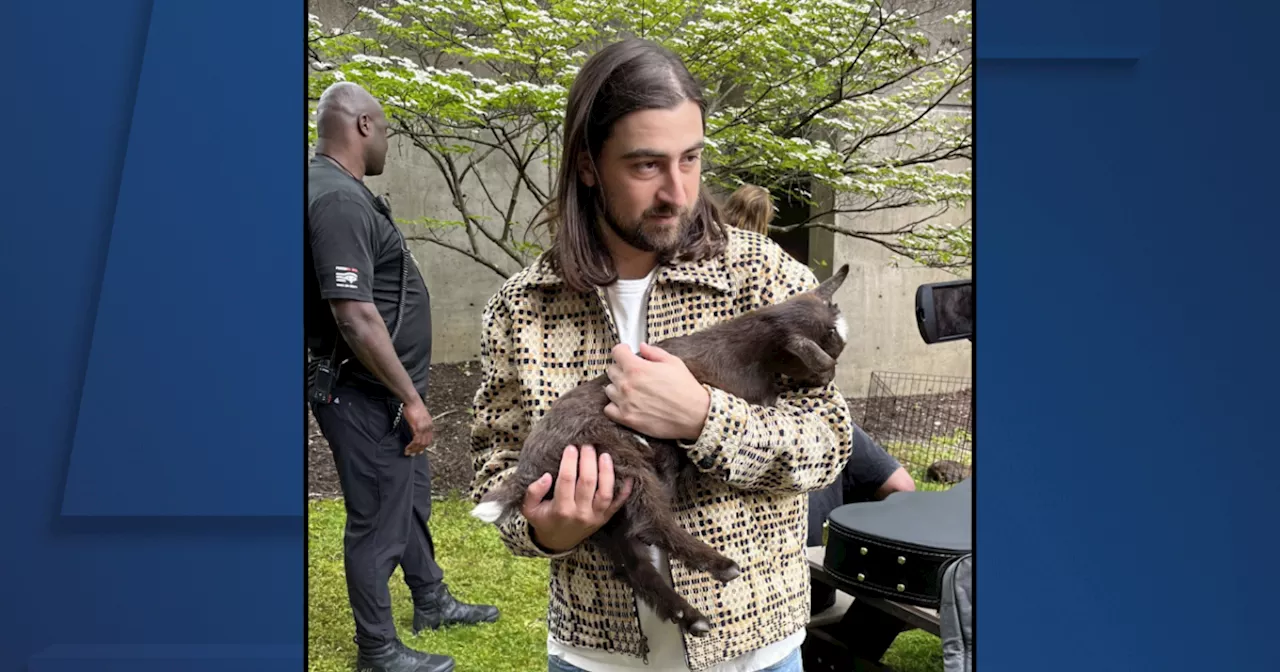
column 809, row 354
column 827, row 290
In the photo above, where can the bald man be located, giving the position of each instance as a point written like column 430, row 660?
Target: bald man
column 368, row 324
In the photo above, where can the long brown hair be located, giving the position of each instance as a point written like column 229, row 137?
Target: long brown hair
column 621, row 78
column 749, row 208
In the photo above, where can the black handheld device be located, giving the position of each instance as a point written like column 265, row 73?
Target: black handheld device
column 944, row 311
column 323, row 372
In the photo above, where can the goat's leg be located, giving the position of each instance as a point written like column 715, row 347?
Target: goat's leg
column 653, row 522
column 611, row 539
column 667, row 534
column 650, row 586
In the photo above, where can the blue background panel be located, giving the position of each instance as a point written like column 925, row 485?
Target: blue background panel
column 1074, row 29
column 152, row 409
column 202, row 281
column 1126, row 506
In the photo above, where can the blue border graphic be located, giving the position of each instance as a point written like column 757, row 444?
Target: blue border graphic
column 153, row 412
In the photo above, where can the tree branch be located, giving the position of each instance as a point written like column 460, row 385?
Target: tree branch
column 932, row 105
column 471, row 255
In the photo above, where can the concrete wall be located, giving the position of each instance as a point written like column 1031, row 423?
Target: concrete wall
column 879, row 302
column 459, row 286
column 878, row 299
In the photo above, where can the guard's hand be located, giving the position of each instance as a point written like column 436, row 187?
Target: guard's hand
column 583, row 502
column 423, row 427
column 655, row 394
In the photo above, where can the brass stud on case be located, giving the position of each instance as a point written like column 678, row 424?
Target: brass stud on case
column 902, row 560
column 901, row 587
column 862, row 577
column 863, row 550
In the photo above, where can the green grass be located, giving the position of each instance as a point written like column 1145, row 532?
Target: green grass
column 478, row 568
column 917, row 457
column 915, row 651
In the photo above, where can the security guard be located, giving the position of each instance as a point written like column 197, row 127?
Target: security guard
column 368, row 324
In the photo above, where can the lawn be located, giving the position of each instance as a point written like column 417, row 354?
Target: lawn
column 478, row 568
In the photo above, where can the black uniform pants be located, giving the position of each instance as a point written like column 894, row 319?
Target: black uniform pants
column 388, row 505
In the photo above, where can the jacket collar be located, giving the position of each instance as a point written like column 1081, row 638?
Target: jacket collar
column 711, row 274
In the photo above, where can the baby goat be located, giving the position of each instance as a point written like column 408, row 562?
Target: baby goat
column 799, row 338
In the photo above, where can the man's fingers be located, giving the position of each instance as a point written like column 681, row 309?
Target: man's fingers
column 622, row 498
column 417, row 444
column 604, row 487
column 568, row 476
column 654, row 354
column 622, row 355
column 611, row 411
column 586, row 489
column 536, row 492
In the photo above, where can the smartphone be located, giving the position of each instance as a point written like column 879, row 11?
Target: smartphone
column 944, row 311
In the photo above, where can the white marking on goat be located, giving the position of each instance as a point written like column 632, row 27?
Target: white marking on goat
column 641, row 439
column 842, row 328
column 488, row 512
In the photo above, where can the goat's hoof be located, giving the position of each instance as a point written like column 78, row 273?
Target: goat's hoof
column 728, row 573
column 700, row 627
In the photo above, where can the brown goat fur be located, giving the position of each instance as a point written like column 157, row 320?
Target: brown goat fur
column 799, row 338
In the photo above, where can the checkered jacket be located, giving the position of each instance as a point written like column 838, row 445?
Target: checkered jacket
column 755, row 464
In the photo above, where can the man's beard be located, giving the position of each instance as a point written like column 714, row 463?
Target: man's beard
column 648, row 237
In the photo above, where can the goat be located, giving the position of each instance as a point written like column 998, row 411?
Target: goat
column 799, row 338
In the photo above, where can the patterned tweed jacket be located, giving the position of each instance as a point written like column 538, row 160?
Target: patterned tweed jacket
column 755, row 464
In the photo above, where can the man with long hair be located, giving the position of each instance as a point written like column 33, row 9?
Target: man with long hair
column 638, row 256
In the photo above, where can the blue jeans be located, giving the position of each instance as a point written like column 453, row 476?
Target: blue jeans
column 792, row 663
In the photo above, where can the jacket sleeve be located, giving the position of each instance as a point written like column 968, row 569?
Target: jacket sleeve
column 800, row 444
column 500, row 425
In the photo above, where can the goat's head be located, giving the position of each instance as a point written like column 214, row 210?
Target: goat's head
column 812, row 333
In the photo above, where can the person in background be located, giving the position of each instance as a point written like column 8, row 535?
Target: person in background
column 639, row 255
column 749, row 208
column 370, row 351
column 870, row 474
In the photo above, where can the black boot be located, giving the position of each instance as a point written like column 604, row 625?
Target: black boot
column 437, row 607
column 396, row 657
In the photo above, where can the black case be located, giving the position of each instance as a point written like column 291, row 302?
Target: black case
column 898, row 548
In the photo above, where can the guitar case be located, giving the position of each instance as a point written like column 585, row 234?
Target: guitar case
column 899, row 547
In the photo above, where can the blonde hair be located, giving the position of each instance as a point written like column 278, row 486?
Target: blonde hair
column 749, row 208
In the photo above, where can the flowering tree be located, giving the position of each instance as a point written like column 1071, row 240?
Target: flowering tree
column 845, row 97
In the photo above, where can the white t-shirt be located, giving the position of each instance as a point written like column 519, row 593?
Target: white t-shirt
column 666, row 642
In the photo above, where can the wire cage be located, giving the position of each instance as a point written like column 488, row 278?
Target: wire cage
column 925, row 421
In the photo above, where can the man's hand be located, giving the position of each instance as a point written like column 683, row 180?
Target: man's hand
column 424, row 429
column 655, row 394
column 583, row 500
column 364, row 330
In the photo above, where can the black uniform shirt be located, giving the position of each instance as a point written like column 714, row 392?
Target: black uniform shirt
column 354, row 251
